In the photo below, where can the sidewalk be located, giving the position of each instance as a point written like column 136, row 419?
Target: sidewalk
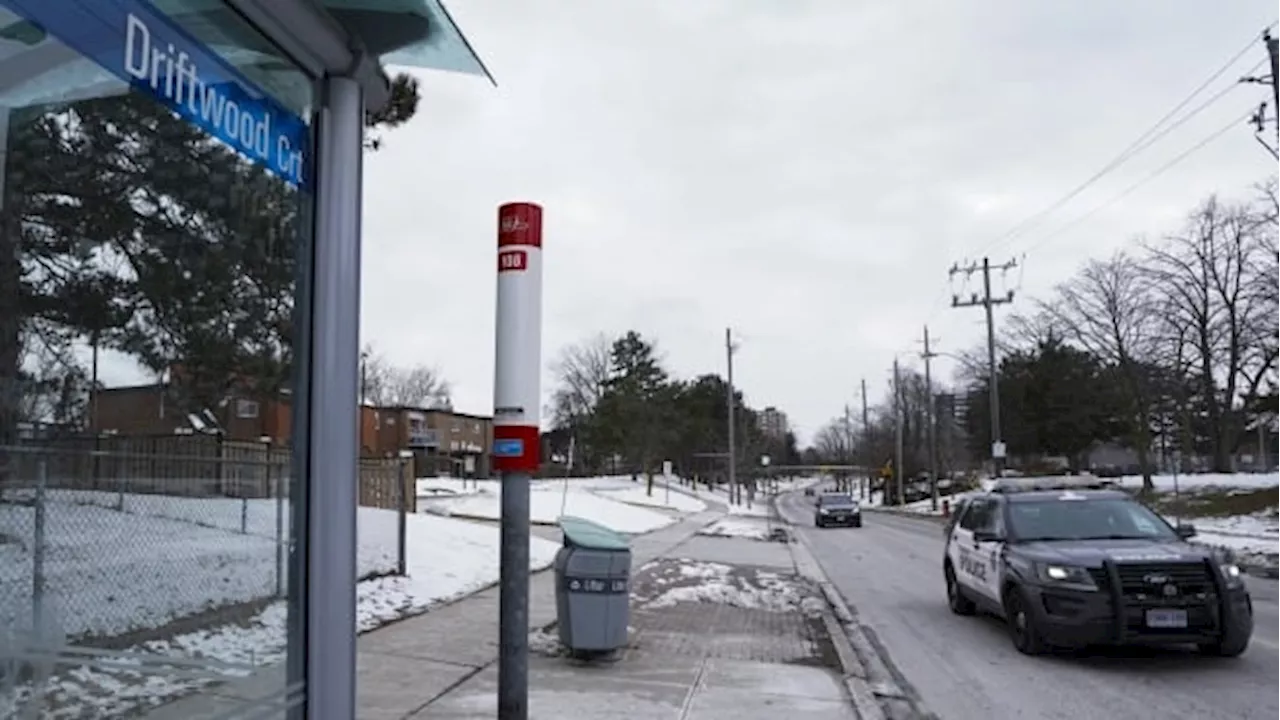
column 721, row 628
column 406, row 665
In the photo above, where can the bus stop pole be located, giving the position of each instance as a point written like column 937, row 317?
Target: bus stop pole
column 516, row 438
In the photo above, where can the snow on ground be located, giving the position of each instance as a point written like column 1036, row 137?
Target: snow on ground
column 662, row 497
column 108, row 572
column 695, row 581
column 447, row 559
column 738, row 527
column 446, row 486
column 1244, row 481
column 549, row 500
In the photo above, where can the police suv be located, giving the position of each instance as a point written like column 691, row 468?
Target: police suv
column 1071, row 562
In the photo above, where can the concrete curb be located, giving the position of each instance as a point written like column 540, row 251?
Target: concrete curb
column 860, row 667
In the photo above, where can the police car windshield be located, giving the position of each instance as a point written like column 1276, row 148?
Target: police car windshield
column 836, row 499
column 1086, row 519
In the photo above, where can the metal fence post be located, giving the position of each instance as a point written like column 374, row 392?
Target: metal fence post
column 38, row 550
column 275, row 487
column 402, row 567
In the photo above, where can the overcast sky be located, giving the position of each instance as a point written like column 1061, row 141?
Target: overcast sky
column 803, row 171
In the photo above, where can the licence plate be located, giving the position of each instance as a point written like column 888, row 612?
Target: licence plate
column 1166, row 618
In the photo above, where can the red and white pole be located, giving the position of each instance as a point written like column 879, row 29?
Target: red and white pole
column 517, row 402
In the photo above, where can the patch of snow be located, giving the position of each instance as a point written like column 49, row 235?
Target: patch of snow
column 662, row 497
column 1200, row 481
column 720, row 584
column 446, row 486
column 738, row 528
column 547, row 503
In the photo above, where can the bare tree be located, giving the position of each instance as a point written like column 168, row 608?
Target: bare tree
column 581, row 373
column 1111, row 311
column 834, row 442
column 1219, row 280
column 383, row 383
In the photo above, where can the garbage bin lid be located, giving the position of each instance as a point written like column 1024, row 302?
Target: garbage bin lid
column 581, row 532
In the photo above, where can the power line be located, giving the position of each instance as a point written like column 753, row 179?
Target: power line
column 1141, row 143
column 1134, row 150
column 1235, row 122
column 1153, row 134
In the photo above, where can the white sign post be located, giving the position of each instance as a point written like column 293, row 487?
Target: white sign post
column 516, row 440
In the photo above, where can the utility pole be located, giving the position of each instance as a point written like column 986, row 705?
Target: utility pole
column 1259, row 118
column 866, row 445
column 929, row 419
column 846, row 482
column 735, row 495
column 897, row 429
column 989, row 303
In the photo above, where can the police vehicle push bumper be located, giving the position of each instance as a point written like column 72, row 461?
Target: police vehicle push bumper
column 593, row 571
column 1202, row 603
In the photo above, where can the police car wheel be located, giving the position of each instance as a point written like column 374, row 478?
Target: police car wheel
column 1232, row 644
column 956, row 600
column 1022, row 624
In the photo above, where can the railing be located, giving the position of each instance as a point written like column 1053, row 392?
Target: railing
column 424, row 438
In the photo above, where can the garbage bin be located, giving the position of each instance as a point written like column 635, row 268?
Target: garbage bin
column 593, row 587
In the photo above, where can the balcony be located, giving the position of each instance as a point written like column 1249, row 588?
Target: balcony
column 423, row 438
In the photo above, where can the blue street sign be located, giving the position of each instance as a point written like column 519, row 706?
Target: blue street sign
column 137, row 43
column 508, row 447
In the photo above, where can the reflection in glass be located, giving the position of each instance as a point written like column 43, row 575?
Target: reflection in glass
column 148, row 277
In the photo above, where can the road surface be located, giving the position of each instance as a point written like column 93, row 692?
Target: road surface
column 965, row 668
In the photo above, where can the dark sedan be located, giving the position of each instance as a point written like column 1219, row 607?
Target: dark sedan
column 837, row 509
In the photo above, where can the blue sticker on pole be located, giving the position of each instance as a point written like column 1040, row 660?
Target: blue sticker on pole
column 508, row 447
column 137, row 43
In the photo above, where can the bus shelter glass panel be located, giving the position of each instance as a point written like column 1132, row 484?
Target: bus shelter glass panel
column 154, row 249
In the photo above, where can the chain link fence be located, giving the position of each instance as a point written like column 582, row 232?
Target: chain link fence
column 114, row 539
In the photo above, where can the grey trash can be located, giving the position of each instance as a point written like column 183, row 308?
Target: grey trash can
column 593, row 587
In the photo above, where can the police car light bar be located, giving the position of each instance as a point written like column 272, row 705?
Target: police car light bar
column 1014, row 485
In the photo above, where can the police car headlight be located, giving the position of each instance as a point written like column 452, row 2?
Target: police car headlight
column 1066, row 575
column 823, row 511
column 1231, row 572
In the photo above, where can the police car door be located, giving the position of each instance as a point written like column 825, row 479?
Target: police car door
column 969, row 556
column 987, row 552
column 963, row 546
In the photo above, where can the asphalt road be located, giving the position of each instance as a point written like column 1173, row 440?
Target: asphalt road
column 965, row 668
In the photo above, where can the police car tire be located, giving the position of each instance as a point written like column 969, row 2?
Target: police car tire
column 1028, row 641
column 956, row 600
column 1232, row 644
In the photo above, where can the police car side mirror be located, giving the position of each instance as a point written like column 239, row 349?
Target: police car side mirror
column 987, row 536
column 1186, row 532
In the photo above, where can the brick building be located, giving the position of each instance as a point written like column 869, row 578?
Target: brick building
column 442, row 441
